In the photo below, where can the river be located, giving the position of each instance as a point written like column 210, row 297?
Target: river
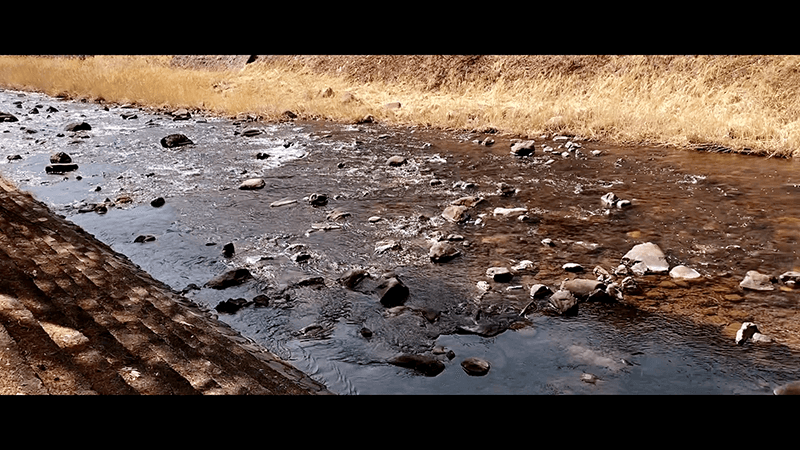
column 719, row 214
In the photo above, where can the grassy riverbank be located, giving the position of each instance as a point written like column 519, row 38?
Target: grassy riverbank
column 741, row 103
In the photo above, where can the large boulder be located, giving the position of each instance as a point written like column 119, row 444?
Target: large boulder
column 646, row 258
column 583, row 288
column 175, row 140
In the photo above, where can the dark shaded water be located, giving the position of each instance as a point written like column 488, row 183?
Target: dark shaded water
column 720, row 214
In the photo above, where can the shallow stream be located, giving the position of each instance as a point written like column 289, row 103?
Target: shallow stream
column 721, row 215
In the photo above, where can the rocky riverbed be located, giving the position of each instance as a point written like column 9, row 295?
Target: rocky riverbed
column 384, row 260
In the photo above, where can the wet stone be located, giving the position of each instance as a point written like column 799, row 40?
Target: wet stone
column 475, row 366
column 158, row 202
column 78, row 126
column 144, row 238
column 231, row 305
column 6, row 117
column 228, row 279
column 60, row 158
column 175, row 140
column 427, row 365
column 60, row 168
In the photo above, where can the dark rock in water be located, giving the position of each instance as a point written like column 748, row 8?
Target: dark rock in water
column 261, row 300
column 442, row 252
column 50, row 109
column 311, row 281
column 78, row 126
column 128, row 116
column 231, row 305
column 540, row 290
column 251, row 132
column 318, row 199
column 34, row 111
column 230, row 278
column 145, row 238
column 6, row 117
column 573, row 267
column 262, row 155
column 175, row 140
column 366, row 332
column 60, row 158
column 14, row 157
column 189, row 288
column 427, row 365
column 564, row 303
column 228, row 250
column 157, row 203
column 60, row 168
column 352, row 277
column 392, row 292
column 475, row 366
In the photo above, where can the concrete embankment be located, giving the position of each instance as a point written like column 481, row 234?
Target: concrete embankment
column 77, row 318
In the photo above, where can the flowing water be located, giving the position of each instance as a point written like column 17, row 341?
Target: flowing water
column 722, row 215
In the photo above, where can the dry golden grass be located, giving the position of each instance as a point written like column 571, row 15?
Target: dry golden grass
column 744, row 103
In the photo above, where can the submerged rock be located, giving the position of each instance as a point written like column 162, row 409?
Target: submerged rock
column 60, row 168
column 232, row 305
column 395, row 161
column 790, row 279
column 230, row 278
column 427, row 365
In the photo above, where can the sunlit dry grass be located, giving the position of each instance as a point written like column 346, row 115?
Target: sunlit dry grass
column 744, row 103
